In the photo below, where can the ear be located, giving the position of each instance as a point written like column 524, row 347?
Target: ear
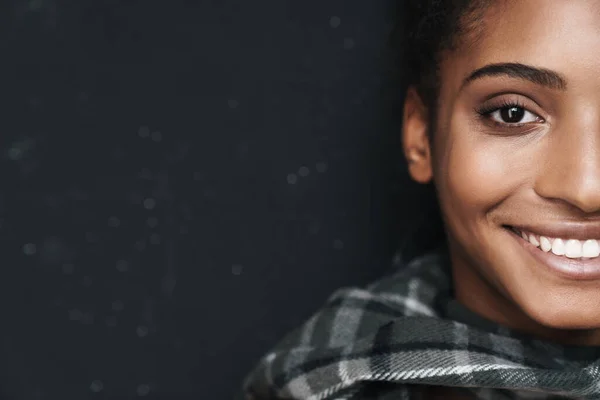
column 415, row 138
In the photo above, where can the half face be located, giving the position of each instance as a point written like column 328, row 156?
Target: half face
column 516, row 163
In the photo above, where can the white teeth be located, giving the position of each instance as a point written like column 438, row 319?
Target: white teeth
column 558, row 247
column 591, row 248
column 545, row 243
column 570, row 248
column 533, row 240
column 573, row 248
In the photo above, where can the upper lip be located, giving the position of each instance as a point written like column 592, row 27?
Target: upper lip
column 564, row 230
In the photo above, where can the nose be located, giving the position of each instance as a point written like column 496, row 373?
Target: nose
column 570, row 171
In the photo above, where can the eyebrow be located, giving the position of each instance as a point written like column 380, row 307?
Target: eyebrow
column 539, row 76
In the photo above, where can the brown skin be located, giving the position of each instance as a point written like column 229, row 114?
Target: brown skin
column 547, row 169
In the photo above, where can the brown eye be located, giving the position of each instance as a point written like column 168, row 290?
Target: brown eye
column 513, row 115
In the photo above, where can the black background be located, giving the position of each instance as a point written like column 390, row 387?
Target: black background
column 185, row 181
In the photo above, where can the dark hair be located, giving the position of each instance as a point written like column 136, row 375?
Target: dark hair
column 426, row 29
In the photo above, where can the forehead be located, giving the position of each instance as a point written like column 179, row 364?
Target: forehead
column 561, row 35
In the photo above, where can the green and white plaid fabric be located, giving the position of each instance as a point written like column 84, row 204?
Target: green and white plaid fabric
column 405, row 330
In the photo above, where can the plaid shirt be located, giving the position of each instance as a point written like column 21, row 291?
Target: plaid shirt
column 405, row 331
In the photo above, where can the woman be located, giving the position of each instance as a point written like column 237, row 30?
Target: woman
column 502, row 115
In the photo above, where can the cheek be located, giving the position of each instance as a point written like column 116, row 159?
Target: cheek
column 479, row 171
column 477, row 175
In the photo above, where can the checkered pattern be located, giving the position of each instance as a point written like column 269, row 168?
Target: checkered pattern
column 379, row 343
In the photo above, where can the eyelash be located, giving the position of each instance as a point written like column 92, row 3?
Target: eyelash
column 486, row 111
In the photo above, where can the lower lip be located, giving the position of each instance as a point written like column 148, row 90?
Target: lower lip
column 567, row 268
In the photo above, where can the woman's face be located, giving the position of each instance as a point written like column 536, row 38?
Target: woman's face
column 517, row 149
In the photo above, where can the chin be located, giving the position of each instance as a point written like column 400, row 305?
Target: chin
column 551, row 290
column 560, row 317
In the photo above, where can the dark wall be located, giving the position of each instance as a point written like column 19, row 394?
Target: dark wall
column 182, row 183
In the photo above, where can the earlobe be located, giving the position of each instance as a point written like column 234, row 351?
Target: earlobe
column 415, row 137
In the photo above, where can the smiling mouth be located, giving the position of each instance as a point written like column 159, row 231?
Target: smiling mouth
column 562, row 247
column 571, row 259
